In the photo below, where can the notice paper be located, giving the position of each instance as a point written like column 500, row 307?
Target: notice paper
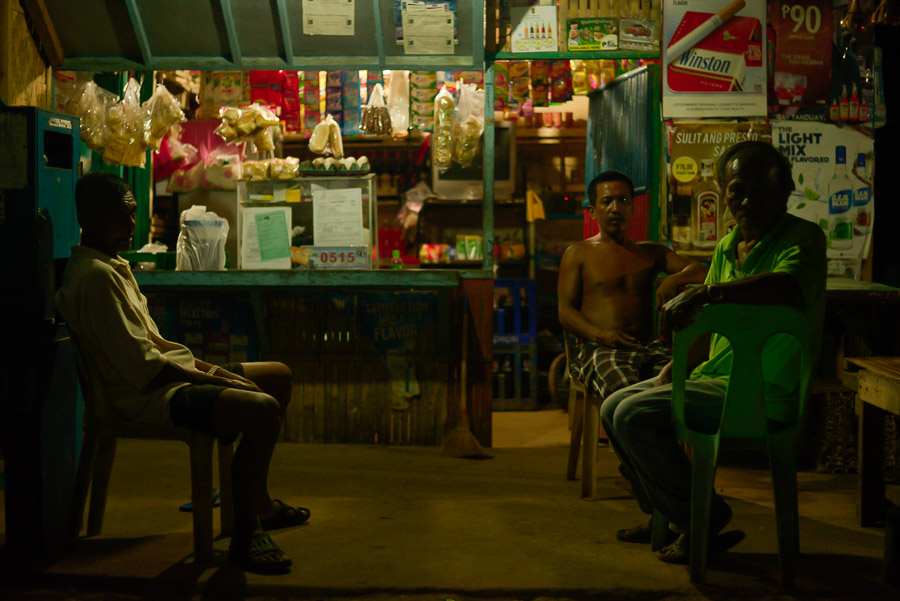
column 329, row 17
column 265, row 238
column 337, row 218
column 428, row 33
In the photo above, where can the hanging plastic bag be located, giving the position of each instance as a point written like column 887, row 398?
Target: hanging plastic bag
column 164, row 112
column 201, row 241
column 442, row 143
column 127, row 122
column 468, row 124
column 326, row 138
column 90, row 104
column 398, row 103
column 376, row 118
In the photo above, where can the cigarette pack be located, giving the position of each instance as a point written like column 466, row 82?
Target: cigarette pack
column 719, row 62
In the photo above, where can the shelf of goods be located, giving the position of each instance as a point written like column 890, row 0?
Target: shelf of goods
column 514, row 364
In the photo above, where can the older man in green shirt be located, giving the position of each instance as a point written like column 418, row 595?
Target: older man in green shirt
column 771, row 258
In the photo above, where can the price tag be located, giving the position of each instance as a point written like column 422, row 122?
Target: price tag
column 338, row 257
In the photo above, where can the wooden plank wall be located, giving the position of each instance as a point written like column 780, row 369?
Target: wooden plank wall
column 25, row 80
column 343, row 389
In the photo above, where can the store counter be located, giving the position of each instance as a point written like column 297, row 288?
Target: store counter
column 375, row 353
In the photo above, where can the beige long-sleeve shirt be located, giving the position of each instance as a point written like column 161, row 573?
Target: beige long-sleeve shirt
column 120, row 348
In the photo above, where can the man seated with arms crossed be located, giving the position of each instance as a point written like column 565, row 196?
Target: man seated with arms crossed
column 770, row 258
column 605, row 292
column 141, row 377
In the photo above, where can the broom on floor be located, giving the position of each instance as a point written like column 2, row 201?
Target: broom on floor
column 461, row 442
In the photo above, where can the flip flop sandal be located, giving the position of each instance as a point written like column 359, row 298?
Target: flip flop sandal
column 189, row 506
column 285, row 517
column 255, row 557
column 642, row 533
column 679, row 552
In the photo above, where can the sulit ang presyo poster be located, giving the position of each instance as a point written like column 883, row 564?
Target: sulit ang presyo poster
column 714, row 58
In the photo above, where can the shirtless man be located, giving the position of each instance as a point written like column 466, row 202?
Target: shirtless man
column 605, row 292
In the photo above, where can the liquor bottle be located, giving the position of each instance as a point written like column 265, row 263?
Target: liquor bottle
column 862, row 197
column 854, row 106
column 706, row 207
column 834, row 111
column 728, row 221
column 845, row 105
column 840, row 203
column 396, row 261
column 866, row 92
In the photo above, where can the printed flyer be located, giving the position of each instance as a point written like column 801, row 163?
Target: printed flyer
column 833, row 172
column 801, row 33
column 698, row 217
column 713, row 59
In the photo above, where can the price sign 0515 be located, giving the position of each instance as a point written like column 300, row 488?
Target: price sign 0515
column 338, row 257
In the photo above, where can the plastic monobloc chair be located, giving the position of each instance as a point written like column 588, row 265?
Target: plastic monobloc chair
column 584, row 410
column 744, row 418
column 95, row 466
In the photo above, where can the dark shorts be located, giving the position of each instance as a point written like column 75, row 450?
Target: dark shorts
column 191, row 406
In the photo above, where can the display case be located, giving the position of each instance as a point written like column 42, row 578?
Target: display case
column 326, row 221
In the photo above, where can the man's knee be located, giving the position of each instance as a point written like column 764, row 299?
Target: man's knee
column 280, row 370
column 266, row 411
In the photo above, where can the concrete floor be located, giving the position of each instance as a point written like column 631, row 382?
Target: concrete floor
column 407, row 523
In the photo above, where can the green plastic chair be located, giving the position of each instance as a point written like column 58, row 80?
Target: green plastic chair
column 745, row 419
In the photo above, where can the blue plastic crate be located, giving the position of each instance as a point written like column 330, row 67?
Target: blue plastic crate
column 515, row 312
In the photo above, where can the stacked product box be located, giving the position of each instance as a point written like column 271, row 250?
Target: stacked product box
column 422, row 91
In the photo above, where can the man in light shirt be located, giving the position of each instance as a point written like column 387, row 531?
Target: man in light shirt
column 136, row 375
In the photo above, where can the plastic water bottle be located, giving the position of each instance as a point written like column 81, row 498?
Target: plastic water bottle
column 396, row 261
column 840, row 203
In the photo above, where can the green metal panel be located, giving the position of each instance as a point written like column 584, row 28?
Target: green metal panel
column 487, row 226
column 396, row 279
column 244, row 34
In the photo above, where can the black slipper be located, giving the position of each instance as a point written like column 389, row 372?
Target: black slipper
column 260, row 556
column 285, row 517
column 642, row 533
column 679, row 552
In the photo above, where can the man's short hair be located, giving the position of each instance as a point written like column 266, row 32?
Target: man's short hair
column 95, row 187
column 608, row 176
column 763, row 151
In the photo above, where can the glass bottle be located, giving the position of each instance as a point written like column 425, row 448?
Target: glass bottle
column 862, row 197
column 840, row 204
column 706, row 207
column 396, row 260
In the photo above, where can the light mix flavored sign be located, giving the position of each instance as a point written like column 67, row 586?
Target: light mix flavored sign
column 833, row 173
column 713, row 59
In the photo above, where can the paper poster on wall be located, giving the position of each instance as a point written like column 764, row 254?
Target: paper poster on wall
column 713, row 59
column 833, row 174
column 698, row 217
column 801, row 33
column 428, row 33
column 429, row 7
column 337, row 217
column 534, row 29
column 265, row 238
column 329, row 17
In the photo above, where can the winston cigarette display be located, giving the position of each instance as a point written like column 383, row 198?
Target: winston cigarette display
column 699, row 34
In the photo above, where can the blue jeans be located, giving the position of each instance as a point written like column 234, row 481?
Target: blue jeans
column 638, row 423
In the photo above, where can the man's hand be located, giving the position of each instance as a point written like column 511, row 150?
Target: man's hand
column 242, row 382
column 617, row 339
column 664, row 376
column 668, row 289
column 679, row 312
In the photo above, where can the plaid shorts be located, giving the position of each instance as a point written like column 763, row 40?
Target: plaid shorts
column 604, row 369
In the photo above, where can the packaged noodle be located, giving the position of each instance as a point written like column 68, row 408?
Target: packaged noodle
column 263, row 139
column 326, row 138
column 164, row 113
column 376, row 118
column 469, row 124
column 442, row 144
column 127, row 122
column 286, row 168
column 256, row 171
column 263, row 116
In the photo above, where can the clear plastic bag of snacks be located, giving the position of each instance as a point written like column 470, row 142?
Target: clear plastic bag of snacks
column 128, row 121
column 165, row 111
column 442, row 142
column 376, row 118
column 469, row 124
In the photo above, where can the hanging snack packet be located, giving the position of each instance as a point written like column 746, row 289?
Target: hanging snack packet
column 127, row 122
column 442, row 143
column 376, row 119
column 311, row 110
column 469, row 123
column 398, row 104
column 560, row 81
column 164, row 113
column 519, row 87
column 579, row 77
column 501, row 85
column 540, row 83
column 91, row 105
column 351, row 102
